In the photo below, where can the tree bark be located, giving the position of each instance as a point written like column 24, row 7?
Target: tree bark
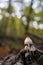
column 28, row 19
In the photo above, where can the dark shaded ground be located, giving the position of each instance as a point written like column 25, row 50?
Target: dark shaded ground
column 13, row 52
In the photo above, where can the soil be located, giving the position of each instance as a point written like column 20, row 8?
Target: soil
column 3, row 51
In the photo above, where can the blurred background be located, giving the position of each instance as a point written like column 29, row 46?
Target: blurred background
column 19, row 18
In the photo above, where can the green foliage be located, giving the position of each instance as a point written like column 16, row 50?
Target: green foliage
column 13, row 25
column 26, row 11
column 40, row 14
column 10, row 26
column 10, row 9
column 15, row 45
column 36, row 31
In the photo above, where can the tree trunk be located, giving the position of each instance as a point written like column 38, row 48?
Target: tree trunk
column 28, row 19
